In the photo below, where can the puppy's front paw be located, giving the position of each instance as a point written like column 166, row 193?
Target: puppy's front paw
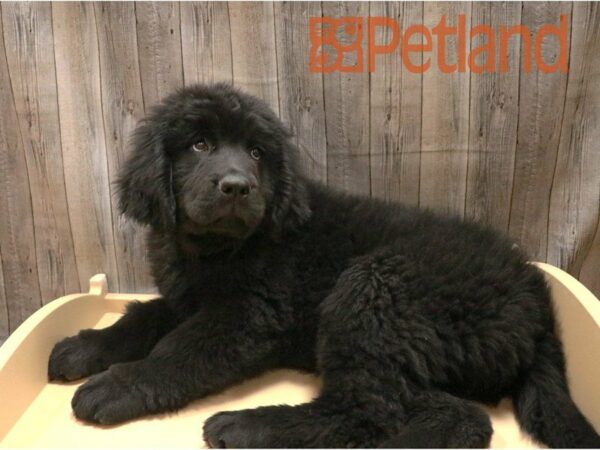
column 76, row 357
column 110, row 397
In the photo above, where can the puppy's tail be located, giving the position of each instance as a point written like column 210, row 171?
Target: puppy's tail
column 544, row 406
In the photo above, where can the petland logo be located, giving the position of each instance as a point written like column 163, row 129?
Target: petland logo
column 337, row 45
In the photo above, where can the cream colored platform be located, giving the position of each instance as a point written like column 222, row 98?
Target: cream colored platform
column 34, row 413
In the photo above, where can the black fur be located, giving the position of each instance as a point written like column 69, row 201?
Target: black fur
column 409, row 317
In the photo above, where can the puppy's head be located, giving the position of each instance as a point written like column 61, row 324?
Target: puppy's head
column 211, row 160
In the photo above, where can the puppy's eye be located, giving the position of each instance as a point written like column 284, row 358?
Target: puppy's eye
column 201, row 146
column 256, row 153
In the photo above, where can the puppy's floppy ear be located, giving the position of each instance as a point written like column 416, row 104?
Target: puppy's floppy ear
column 291, row 206
column 145, row 185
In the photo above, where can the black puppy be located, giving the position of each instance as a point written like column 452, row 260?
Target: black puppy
column 407, row 316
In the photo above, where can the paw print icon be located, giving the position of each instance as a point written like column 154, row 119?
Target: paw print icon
column 336, row 44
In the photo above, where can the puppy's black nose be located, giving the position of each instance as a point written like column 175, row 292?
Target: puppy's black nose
column 234, row 185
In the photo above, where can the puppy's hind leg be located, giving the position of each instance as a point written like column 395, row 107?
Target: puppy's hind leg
column 361, row 401
column 440, row 420
column 350, row 415
column 338, row 418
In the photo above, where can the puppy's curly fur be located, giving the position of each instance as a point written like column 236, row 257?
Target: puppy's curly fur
column 409, row 317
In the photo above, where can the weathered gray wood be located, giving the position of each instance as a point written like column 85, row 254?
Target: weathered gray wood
column 347, row 113
column 541, row 106
column 4, row 321
column 494, row 107
column 206, row 42
column 575, row 195
column 446, row 141
column 445, row 116
column 395, row 112
column 301, row 99
column 253, row 49
column 17, row 238
column 159, row 49
column 122, row 107
column 28, row 31
column 83, row 143
column 588, row 274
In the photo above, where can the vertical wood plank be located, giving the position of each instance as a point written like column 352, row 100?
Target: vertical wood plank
column 4, row 321
column 122, row 107
column 28, row 33
column 83, row 143
column 541, row 103
column 575, row 196
column 159, row 49
column 395, row 112
column 254, row 50
column 494, row 107
column 301, row 93
column 206, row 42
column 588, row 274
column 445, row 116
column 17, row 237
column 347, row 113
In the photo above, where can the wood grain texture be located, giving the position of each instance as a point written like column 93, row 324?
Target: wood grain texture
column 83, row 143
column 541, row 107
column 347, row 113
column 122, row 107
column 515, row 150
column 17, row 237
column 445, row 118
column 494, row 107
column 159, row 49
column 588, row 274
column 575, row 194
column 253, row 50
column 4, row 320
column 206, row 42
column 28, row 30
column 395, row 112
column 301, row 99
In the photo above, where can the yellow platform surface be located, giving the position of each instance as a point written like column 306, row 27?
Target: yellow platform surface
column 34, row 413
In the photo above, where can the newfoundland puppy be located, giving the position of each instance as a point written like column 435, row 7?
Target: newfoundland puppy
column 410, row 318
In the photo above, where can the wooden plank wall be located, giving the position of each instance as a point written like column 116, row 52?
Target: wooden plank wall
column 515, row 150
